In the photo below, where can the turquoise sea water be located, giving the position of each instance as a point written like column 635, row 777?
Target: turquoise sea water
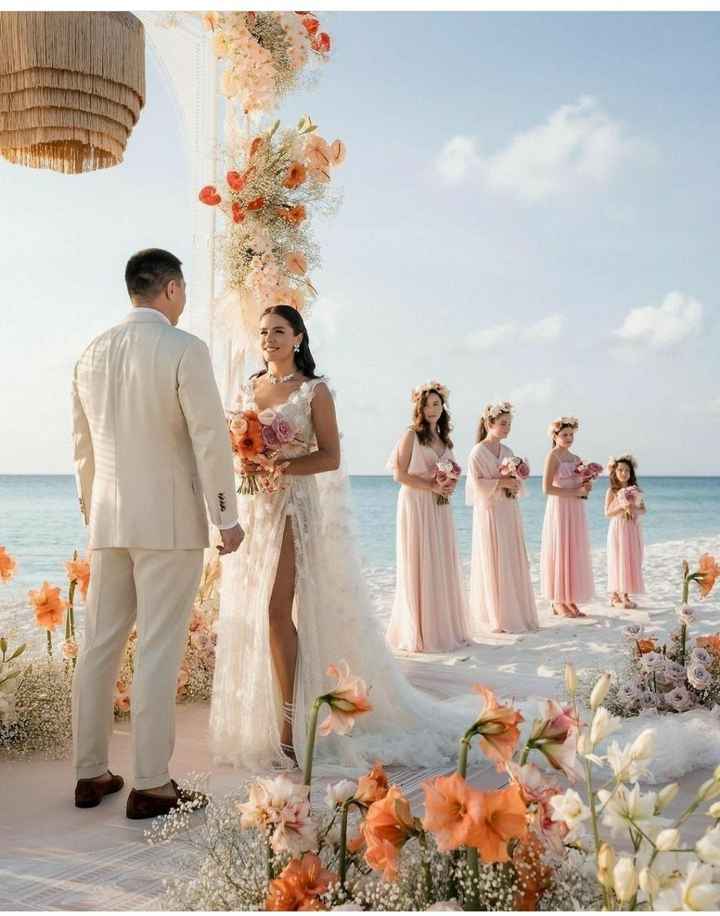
column 40, row 523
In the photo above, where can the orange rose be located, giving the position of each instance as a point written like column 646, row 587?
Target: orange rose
column 373, row 786
column 79, row 571
column 7, row 566
column 300, row 885
column 497, row 727
column 49, row 606
column 709, row 572
column 249, row 443
column 296, row 175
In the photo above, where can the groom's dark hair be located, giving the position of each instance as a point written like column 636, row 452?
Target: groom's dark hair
column 149, row 271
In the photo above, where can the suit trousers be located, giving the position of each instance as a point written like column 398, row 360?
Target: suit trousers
column 156, row 590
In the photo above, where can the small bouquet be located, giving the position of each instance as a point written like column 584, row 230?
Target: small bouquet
column 512, row 466
column 630, row 498
column 258, row 438
column 445, row 471
column 588, row 472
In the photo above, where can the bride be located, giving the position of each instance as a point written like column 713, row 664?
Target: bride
column 293, row 600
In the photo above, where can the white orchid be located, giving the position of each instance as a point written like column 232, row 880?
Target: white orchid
column 696, row 891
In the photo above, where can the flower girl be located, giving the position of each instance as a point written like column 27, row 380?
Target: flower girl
column 624, row 505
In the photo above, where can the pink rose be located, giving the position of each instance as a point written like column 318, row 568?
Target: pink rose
column 122, row 702
column 267, row 416
column 523, row 470
column 270, row 437
column 283, row 430
column 239, row 425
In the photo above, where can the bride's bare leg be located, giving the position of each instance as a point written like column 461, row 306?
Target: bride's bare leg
column 283, row 635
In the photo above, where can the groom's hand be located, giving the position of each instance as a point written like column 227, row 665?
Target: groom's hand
column 232, row 538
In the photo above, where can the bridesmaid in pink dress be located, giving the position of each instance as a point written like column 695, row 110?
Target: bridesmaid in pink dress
column 430, row 611
column 501, row 594
column 565, row 559
column 625, row 540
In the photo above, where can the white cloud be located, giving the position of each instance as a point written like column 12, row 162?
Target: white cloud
column 661, row 327
column 577, row 146
column 539, row 392
column 546, row 329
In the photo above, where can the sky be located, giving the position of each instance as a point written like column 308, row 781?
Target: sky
column 529, row 212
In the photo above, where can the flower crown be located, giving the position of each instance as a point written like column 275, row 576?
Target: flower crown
column 493, row 411
column 560, row 423
column 431, row 386
column 628, row 459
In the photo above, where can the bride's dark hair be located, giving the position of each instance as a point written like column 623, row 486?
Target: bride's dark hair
column 303, row 358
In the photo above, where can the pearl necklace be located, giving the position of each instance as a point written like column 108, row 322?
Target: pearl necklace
column 274, row 380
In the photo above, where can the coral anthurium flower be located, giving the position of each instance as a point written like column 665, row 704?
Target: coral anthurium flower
column 453, row 810
column 504, row 818
column 256, row 145
column 337, row 152
column 319, row 175
column 295, row 215
column 7, row 565
column 257, row 204
column 311, row 24
column 49, row 606
column 235, row 180
column 300, row 885
column 296, row 175
column 79, row 571
column 209, row 195
column 296, row 262
column 497, row 727
column 373, row 786
column 348, row 700
column 238, row 214
column 709, row 571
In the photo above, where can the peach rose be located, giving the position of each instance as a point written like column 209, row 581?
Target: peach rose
column 49, row 606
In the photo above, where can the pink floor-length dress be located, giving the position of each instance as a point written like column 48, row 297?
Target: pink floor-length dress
column 501, row 593
column 624, row 553
column 430, row 610
column 565, row 560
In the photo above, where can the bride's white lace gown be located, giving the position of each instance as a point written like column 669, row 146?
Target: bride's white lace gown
column 335, row 620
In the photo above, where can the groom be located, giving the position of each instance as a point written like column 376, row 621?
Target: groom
column 150, row 441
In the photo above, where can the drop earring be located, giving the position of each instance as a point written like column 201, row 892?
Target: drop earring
column 296, row 348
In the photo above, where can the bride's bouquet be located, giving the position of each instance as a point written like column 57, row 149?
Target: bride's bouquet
column 630, row 498
column 445, row 471
column 256, row 439
column 588, row 472
column 512, row 466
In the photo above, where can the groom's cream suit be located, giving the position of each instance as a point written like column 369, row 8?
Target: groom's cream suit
column 151, row 451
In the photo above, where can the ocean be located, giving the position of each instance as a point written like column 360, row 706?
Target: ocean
column 40, row 524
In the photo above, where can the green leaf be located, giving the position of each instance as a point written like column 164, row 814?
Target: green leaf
column 18, row 651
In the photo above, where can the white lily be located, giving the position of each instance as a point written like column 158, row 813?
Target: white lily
column 623, row 808
column 603, row 725
column 668, row 839
column 600, row 690
column 665, row 796
column 625, row 879
column 708, row 847
column 696, row 892
column 569, row 808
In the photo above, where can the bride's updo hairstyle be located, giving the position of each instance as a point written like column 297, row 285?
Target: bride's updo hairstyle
column 303, row 358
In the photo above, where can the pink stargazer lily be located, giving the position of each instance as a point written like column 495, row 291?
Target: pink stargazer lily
column 348, row 700
column 555, row 735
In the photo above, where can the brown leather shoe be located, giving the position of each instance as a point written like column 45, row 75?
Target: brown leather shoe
column 141, row 805
column 89, row 792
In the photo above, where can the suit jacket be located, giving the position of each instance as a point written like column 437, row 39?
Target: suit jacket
column 150, row 438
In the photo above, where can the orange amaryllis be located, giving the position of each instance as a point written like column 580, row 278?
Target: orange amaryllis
column 373, row 786
column 711, row 643
column 707, row 574
column 453, row 811
column 7, row 565
column 296, row 175
column 49, row 606
column 555, row 734
column 504, row 818
column 347, row 700
column 388, row 825
column 497, row 727
column 79, row 571
column 300, row 885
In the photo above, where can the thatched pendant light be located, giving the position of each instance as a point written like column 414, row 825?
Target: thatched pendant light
column 71, row 88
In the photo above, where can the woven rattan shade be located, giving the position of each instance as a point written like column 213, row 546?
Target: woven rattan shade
column 71, row 88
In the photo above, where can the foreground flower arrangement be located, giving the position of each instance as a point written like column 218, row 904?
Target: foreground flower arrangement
column 268, row 192
column 265, row 53
column 677, row 675
column 533, row 843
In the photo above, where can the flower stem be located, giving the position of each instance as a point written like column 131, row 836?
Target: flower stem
column 342, row 868
column 49, row 644
column 310, row 745
column 427, row 874
column 471, row 856
column 595, row 829
column 464, row 751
